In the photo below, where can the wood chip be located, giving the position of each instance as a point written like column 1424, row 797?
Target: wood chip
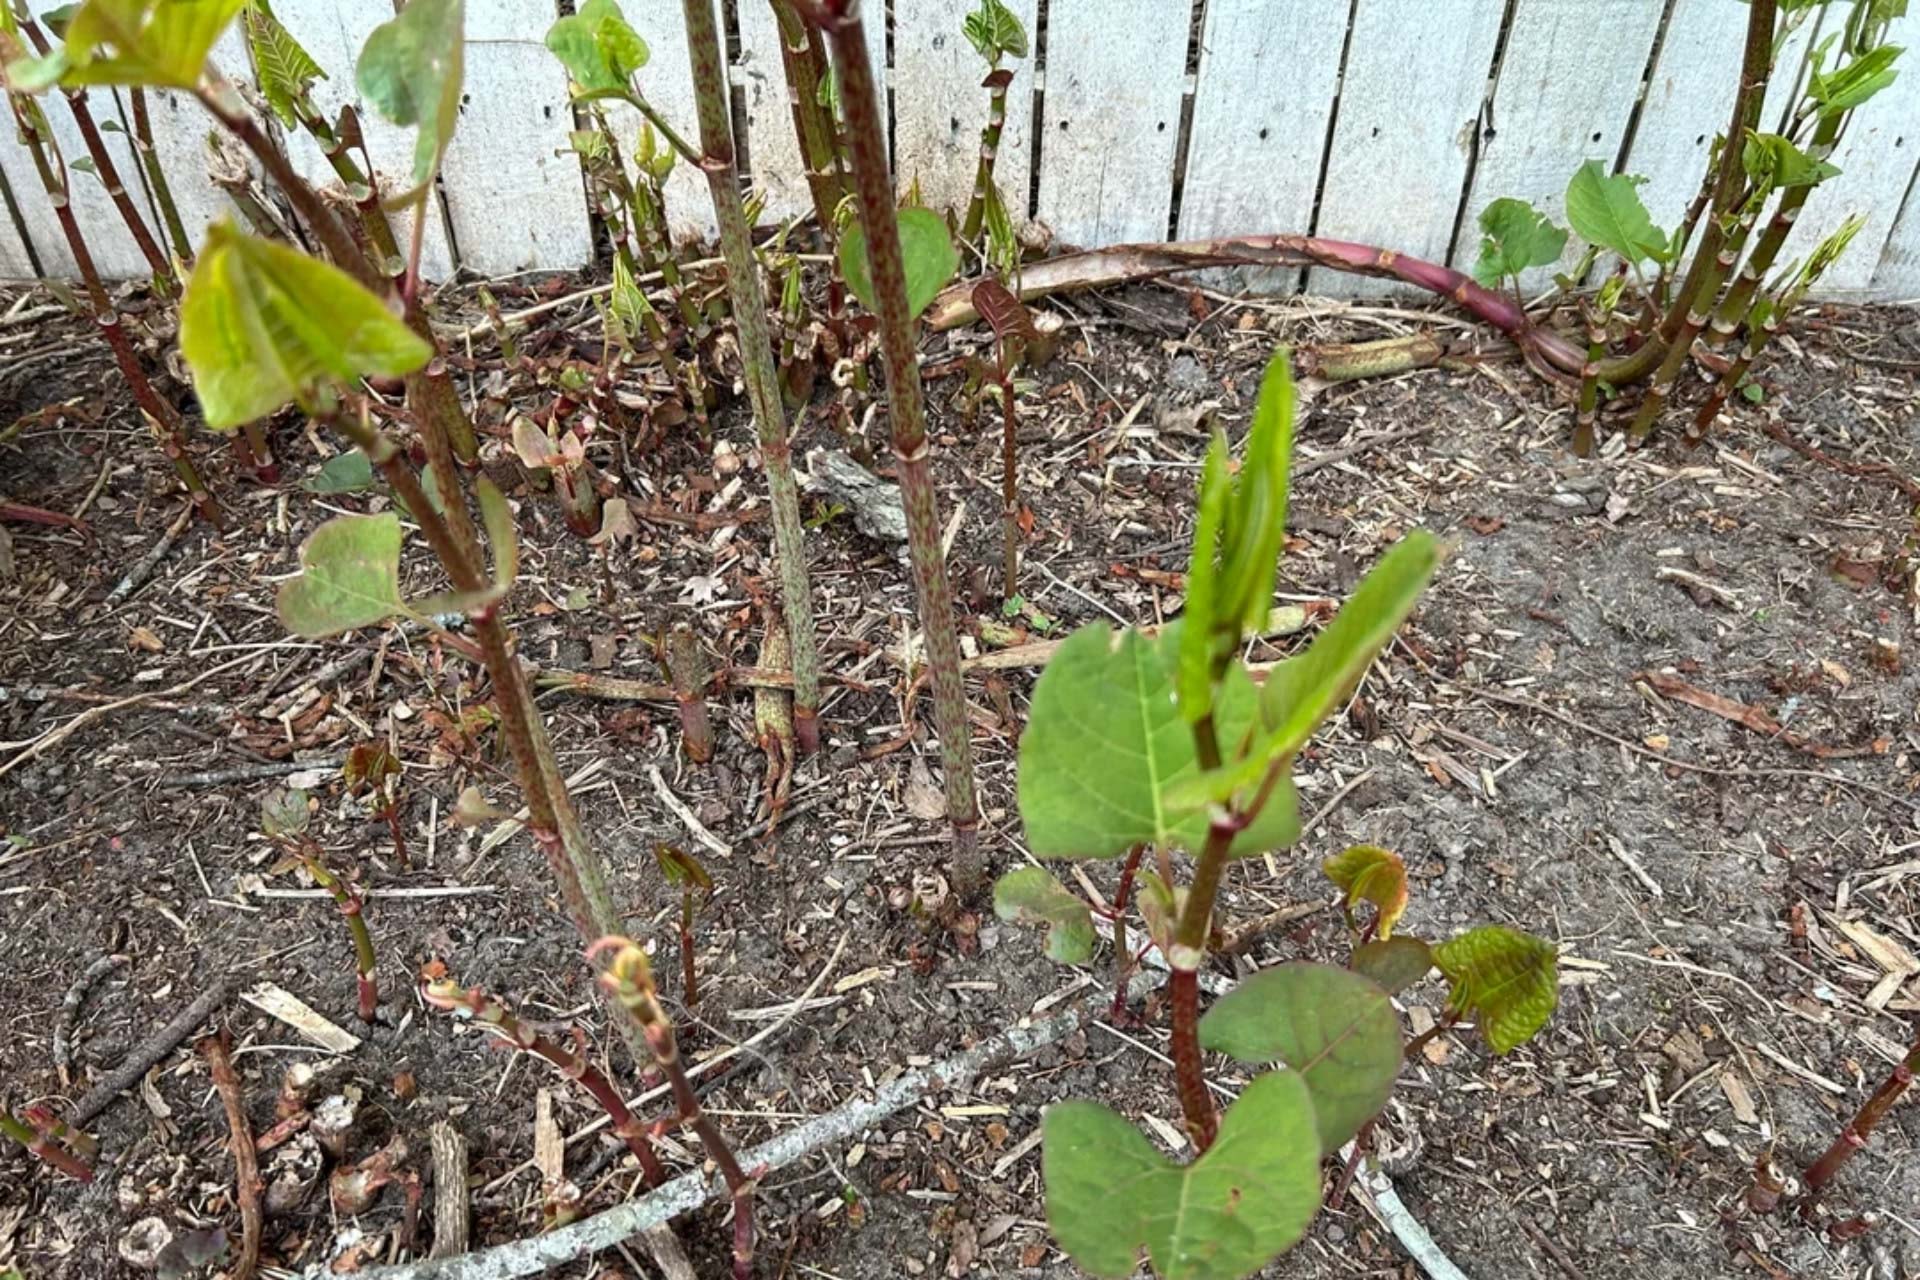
column 296, row 1013
column 1738, row 1098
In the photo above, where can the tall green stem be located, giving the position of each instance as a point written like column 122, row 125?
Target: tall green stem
column 756, row 354
column 996, row 86
column 873, row 184
column 353, row 907
column 805, row 63
column 157, row 176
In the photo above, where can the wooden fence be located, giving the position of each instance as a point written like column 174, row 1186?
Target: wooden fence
column 1390, row 121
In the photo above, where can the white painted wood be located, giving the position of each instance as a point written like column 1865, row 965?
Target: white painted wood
column 332, row 31
column 1115, row 81
column 667, row 84
column 1559, row 100
column 937, row 124
column 1687, row 104
column 15, row 264
column 1876, row 156
column 515, row 198
column 1409, row 106
column 779, row 172
column 1264, row 93
column 36, row 211
column 1898, row 277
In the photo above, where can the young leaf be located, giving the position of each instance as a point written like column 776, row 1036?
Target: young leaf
column 263, row 324
column 682, row 869
column 470, row 809
column 161, row 44
column 1334, row 1027
column 1230, row 1212
column 497, row 517
column 1516, row 236
column 283, row 68
column 1849, row 86
column 1255, row 527
column 995, row 31
column 598, row 49
column 1104, row 743
column 284, row 812
column 1774, row 161
column 926, row 253
column 343, row 473
column 1031, row 895
column 369, row 767
column 1372, row 874
column 1394, row 963
column 1605, row 209
column 1199, row 628
column 350, row 578
column 410, row 70
column 1504, row 979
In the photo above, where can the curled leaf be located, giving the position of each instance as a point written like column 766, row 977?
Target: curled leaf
column 285, row 811
column 1371, row 874
column 411, row 70
column 681, row 868
column 1030, row 895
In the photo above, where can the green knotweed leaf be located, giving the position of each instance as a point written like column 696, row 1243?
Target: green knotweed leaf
column 1371, row 874
column 350, row 577
column 1031, row 895
column 1104, row 744
column 343, row 473
column 926, row 254
column 284, row 69
column 995, row 31
column 284, row 812
column 1774, row 161
column 1505, row 980
column 1334, row 1027
column 1255, row 527
column 1849, row 86
column 599, row 49
column 1515, row 236
column 411, row 69
column 160, row 44
column 1246, row 1201
column 1394, row 963
column 263, row 325
column 1605, row 209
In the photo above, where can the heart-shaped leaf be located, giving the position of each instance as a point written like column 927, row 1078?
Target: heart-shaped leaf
column 156, row 43
column 1105, row 744
column 350, row 577
column 1515, row 236
column 1233, row 1210
column 263, row 325
column 343, row 473
column 410, row 70
column 1605, row 209
column 1334, row 1027
column 927, row 256
column 1505, row 980
column 598, row 48
column 284, row 811
column 1393, row 963
column 1371, row 874
column 1031, row 895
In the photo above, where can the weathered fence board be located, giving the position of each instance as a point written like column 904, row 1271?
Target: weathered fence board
column 667, row 84
column 1403, row 140
column 1260, row 109
column 779, row 172
column 332, row 32
column 1686, row 105
column 1898, row 278
column 15, row 262
column 1556, row 102
column 1115, row 78
column 514, row 194
column 1876, row 157
column 938, row 118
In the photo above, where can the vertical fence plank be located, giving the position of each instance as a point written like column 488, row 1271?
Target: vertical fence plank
column 1688, row 100
column 1260, row 110
column 332, row 31
column 1115, row 79
column 514, row 193
column 1408, row 110
column 667, row 84
column 1562, row 98
column 937, row 120
column 180, row 130
column 1876, row 157
column 36, row 211
column 779, row 170
column 1898, row 277
column 15, row 263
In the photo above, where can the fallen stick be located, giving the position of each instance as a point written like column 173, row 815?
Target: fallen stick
column 143, row 568
column 141, row 1060
column 246, row 1166
column 1747, row 716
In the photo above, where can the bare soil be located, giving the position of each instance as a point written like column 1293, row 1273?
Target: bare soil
column 1710, row 884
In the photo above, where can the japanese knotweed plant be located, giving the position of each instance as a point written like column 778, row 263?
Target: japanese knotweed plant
column 1169, row 741
column 286, row 813
column 995, row 33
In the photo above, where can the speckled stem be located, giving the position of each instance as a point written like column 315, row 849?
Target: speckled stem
column 996, row 86
column 1861, row 1127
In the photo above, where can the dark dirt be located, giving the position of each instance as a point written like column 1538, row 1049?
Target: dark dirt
column 1611, row 1146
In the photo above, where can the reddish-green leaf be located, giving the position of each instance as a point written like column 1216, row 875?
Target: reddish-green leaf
column 1371, row 874
column 370, row 767
column 681, row 868
column 1505, row 980
column 1334, row 1027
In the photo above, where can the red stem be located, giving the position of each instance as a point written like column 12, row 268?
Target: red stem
column 1123, row 962
column 45, row 1147
column 1861, row 1127
column 1189, row 1072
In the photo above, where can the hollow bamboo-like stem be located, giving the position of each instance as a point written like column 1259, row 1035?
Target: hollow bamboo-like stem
column 1590, row 385
column 44, row 1145
column 756, row 354
column 996, row 86
column 1122, row 958
column 804, row 60
column 161, row 416
column 353, row 908
column 493, row 1013
column 157, row 175
column 1865, row 1121
column 687, row 669
column 873, row 184
column 1009, row 492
